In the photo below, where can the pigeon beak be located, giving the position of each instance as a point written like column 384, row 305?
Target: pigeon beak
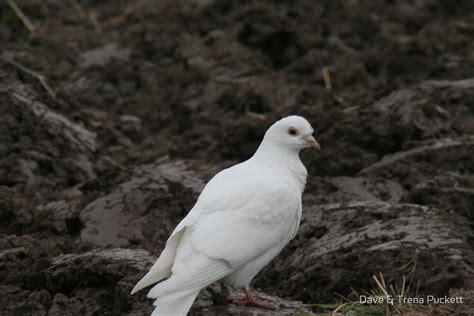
column 312, row 143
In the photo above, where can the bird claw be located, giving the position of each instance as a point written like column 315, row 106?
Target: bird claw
column 250, row 301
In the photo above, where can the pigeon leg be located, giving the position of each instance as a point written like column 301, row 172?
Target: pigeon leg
column 249, row 300
column 253, row 302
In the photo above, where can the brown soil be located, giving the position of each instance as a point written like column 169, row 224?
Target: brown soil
column 115, row 114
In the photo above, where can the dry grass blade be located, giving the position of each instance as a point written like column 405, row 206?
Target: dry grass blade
column 36, row 75
column 338, row 309
column 77, row 7
column 394, row 291
column 129, row 11
column 380, row 285
column 91, row 17
column 403, row 286
column 21, row 15
column 258, row 116
column 95, row 22
column 115, row 163
column 382, row 280
column 327, row 78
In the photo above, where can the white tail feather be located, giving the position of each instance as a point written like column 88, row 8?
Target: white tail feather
column 162, row 267
column 177, row 307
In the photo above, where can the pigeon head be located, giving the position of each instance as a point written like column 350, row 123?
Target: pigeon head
column 293, row 133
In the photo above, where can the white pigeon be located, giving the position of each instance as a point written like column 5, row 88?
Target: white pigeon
column 243, row 218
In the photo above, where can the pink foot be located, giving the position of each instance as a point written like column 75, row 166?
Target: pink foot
column 249, row 300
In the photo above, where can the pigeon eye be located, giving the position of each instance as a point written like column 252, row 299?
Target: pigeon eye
column 292, row 131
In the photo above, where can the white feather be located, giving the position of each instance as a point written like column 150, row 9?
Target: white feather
column 162, row 267
column 177, row 307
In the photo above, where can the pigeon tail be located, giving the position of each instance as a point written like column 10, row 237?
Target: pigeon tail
column 176, row 307
column 162, row 267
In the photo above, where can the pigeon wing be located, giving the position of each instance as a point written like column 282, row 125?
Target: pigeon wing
column 242, row 221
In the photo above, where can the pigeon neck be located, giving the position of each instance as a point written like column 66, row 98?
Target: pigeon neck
column 271, row 152
column 280, row 158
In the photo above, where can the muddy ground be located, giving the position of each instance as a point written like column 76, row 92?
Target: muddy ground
column 114, row 114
